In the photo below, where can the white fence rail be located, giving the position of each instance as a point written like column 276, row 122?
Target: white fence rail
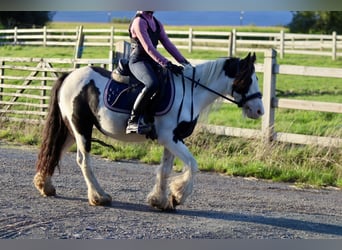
column 25, row 84
column 231, row 41
column 267, row 132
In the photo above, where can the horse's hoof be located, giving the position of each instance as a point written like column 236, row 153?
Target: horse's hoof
column 155, row 203
column 44, row 185
column 171, row 206
column 101, row 201
column 49, row 191
column 169, row 210
column 174, row 201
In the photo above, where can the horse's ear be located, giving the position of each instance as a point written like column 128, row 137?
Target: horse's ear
column 253, row 59
column 248, row 56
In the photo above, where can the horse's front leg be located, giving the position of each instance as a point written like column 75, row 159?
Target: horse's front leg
column 158, row 196
column 181, row 185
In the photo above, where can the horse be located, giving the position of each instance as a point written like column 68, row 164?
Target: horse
column 77, row 105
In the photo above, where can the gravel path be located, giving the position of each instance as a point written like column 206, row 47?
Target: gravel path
column 220, row 207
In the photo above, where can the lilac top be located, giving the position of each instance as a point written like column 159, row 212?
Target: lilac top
column 139, row 30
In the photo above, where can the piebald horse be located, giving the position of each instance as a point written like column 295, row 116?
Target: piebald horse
column 77, row 105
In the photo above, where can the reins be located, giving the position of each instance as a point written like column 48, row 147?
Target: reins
column 240, row 103
column 192, row 94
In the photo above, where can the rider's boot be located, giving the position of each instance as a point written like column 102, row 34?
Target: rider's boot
column 136, row 123
column 132, row 124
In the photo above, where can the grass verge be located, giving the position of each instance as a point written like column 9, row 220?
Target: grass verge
column 307, row 166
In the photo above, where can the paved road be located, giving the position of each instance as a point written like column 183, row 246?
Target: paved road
column 220, row 207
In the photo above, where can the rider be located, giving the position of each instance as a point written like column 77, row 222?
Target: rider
column 145, row 32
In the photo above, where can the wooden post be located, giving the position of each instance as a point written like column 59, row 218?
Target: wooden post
column 269, row 96
column 43, row 91
column 111, row 60
column 79, row 46
column 334, row 45
column 15, row 37
column 190, row 39
column 230, row 44
column 111, row 50
column 282, row 44
column 234, row 42
column 122, row 50
column 44, row 36
column 2, row 73
column 111, row 40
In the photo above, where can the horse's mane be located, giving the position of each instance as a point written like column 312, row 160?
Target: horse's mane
column 211, row 69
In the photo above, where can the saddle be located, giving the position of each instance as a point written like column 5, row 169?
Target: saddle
column 122, row 90
column 122, row 73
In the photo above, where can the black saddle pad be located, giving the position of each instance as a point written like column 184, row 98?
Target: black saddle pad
column 120, row 97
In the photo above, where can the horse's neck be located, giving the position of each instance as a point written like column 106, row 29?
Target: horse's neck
column 213, row 78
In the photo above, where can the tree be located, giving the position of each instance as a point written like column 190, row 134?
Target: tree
column 25, row 19
column 324, row 22
column 330, row 21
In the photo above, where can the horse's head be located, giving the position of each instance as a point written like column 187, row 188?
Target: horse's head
column 245, row 88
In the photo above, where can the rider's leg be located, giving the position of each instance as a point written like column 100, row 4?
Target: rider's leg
column 144, row 72
column 139, row 106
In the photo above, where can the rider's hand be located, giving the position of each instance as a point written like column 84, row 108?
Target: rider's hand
column 185, row 63
column 175, row 69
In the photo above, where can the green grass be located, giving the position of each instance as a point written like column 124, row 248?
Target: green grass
column 286, row 120
column 300, row 164
column 307, row 166
column 36, row 51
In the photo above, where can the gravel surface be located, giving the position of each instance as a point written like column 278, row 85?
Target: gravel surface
column 220, row 207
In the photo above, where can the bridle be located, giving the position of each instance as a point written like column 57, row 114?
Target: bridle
column 240, row 103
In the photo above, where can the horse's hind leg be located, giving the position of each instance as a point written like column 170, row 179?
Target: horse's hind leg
column 96, row 195
column 43, row 181
column 158, row 196
column 44, row 184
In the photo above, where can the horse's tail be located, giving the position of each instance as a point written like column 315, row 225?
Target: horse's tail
column 54, row 135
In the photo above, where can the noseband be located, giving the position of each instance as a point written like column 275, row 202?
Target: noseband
column 245, row 99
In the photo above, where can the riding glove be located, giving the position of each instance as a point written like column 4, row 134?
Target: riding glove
column 185, row 63
column 175, row 69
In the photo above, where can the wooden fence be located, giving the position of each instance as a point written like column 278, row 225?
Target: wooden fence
column 267, row 132
column 230, row 42
column 25, row 84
